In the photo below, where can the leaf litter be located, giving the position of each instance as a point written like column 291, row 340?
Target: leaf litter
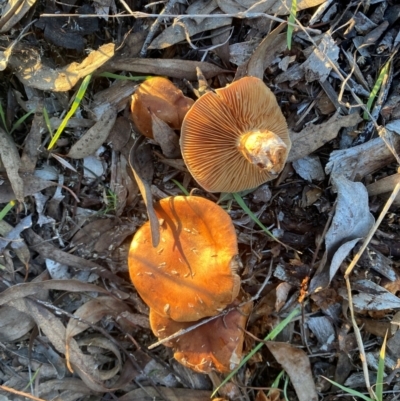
column 64, row 246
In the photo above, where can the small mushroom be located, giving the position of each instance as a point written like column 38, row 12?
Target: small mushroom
column 161, row 97
column 235, row 138
column 191, row 273
column 215, row 345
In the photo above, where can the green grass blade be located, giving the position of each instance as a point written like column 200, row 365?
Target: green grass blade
column 3, row 117
column 375, row 89
column 123, row 77
column 243, row 205
column 381, row 371
column 349, row 390
column 47, row 121
column 21, row 120
column 6, row 209
column 270, row 336
column 181, row 187
column 78, row 98
column 291, row 20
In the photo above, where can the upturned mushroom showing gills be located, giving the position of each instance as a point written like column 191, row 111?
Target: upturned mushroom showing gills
column 235, row 138
column 216, row 345
column 161, row 97
column 191, row 274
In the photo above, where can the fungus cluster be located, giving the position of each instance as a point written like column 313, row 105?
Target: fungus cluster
column 189, row 276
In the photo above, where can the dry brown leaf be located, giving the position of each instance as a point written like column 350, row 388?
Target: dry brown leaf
column 266, row 50
column 32, row 72
column 13, row 12
column 165, row 137
column 184, row 29
column 31, row 185
column 69, row 384
column 169, row 67
column 19, row 291
column 171, row 394
column 10, row 158
column 283, row 7
column 298, row 367
column 13, row 323
column 313, row 137
column 94, row 136
column 143, row 170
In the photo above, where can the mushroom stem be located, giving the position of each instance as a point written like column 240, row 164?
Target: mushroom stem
column 264, row 149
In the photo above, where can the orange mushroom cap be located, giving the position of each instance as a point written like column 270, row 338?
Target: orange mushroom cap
column 236, row 138
column 215, row 345
column 159, row 96
column 191, row 274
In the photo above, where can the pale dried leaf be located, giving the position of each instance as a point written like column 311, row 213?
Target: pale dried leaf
column 313, row 137
column 94, row 136
column 11, row 161
column 166, row 137
column 184, row 29
column 352, row 217
column 13, row 235
column 309, row 168
column 16, row 14
column 297, row 365
column 173, row 68
column 318, row 65
column 371, row 297
column 31, row 72
column 283, row 7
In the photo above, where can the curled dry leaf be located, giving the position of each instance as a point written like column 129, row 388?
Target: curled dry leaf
column 33, row 73
column 10, row 158
column 171, row 394
column 298, row 367
column 142, row 167
column 94, row 136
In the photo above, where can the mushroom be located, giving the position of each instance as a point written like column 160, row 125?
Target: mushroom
column 235, row 138
column 161, row 97
column 215, row 345
column 191, row 273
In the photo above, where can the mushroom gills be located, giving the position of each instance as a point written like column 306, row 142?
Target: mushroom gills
column 264, row 149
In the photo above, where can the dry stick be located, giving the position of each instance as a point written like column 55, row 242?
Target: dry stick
column 223, row 313
column 348, row 285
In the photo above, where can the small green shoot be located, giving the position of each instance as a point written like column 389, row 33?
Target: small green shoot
column 379, row 379
column 78, row 98
column 381, row 371
column 270, row 336
column 382, row 76
column 291, row 20
column 111, row 201
column 243, row 205
column 123, row 77
column 47, row 121
column 181, row 187
column 6, row 209
column 3, row 117
column 20, row 121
